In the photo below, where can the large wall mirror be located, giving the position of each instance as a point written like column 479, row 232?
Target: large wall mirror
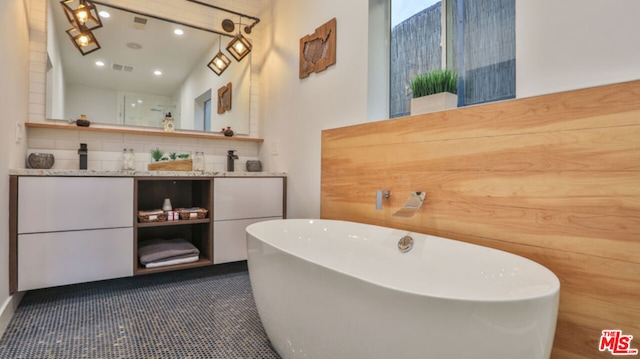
column 118, row 83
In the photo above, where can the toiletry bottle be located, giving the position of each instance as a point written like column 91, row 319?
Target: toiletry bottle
column 198, row 161
column 128, row 159
column 166, row 205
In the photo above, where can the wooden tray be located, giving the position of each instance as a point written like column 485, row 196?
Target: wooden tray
column 177, row 165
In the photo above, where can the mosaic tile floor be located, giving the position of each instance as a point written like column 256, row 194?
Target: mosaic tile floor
column 206, row 312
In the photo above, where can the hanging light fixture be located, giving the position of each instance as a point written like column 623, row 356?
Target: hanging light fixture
column 81, row 14
column 239, row 47
column 220, row 62
column 84, row 41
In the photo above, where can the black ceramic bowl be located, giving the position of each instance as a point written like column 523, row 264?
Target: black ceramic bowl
column 83, row 123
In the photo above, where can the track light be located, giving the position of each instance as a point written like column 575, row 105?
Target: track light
column 228, row 25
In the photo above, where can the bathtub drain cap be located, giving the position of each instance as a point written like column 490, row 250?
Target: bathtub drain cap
column 405, row 244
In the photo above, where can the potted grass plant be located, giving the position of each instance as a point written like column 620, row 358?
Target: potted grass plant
column 169, row 161
column 434, row 91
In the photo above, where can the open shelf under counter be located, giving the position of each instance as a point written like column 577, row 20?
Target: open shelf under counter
column 183, row 192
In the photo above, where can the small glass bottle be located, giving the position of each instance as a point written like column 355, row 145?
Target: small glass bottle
column 198, row 161
column 128, row 159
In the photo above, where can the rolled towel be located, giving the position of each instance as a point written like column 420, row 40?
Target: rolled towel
column 162, row 249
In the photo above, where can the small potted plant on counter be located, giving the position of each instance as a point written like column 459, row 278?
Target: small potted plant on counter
column 169, row 161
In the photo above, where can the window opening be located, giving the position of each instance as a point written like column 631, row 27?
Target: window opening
column 475, row 38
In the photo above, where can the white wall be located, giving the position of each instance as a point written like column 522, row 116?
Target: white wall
column 14, row 102
column 293, row 110
column 202, row 79
column 379, row 60
column 571, row 44
column 100, row 105
column 55, row 75
column 561, row 45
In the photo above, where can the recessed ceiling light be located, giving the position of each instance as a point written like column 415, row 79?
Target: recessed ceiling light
column 99, row 63
column 157, row 72
column 178, row 31
column 104, row 14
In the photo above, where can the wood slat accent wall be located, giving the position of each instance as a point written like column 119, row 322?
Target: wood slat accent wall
column 554, row 178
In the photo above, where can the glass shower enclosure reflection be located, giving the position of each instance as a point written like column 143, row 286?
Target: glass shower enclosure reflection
column 146, row 110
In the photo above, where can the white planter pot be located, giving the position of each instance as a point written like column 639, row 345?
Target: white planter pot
column 433, row 103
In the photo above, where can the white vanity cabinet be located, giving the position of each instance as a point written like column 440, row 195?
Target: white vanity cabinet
column 239, row 202
column 66, row 229
column 73, row 229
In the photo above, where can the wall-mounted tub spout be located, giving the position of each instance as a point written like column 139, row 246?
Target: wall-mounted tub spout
column 413, row 204
column 380, row 195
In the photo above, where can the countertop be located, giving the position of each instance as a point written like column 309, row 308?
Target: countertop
column 93, row 173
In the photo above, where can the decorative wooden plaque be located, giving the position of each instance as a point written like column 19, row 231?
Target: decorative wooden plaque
column 224, row 98
column 318, row 50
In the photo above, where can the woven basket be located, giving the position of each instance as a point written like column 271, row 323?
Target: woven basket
column 192, row 213
column 156, row 215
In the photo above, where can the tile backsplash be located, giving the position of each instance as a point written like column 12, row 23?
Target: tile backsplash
column 105, row 148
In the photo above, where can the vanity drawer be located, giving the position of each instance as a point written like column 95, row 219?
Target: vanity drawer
column 230, row 239
column 239, row 198
column 60, row 258
column 50, row 204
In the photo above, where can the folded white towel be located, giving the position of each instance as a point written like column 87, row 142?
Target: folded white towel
column 153, row 250
column 170, row 262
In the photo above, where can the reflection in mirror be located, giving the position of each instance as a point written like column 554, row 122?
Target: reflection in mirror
column 117, row 84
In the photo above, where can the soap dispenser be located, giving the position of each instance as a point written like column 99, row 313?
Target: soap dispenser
column 230, row 157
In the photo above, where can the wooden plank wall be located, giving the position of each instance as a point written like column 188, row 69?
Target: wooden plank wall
column 554, row 178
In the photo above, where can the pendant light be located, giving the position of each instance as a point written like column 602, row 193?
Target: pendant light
column 220, row 62
column 81, row 14
column 84, row 41
column 239, row 47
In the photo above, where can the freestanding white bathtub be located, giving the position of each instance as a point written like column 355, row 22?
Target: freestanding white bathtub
column 332, row 289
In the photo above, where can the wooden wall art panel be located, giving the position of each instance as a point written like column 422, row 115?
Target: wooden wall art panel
column 318, row 50
column 224, row 98
column 553, row 178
